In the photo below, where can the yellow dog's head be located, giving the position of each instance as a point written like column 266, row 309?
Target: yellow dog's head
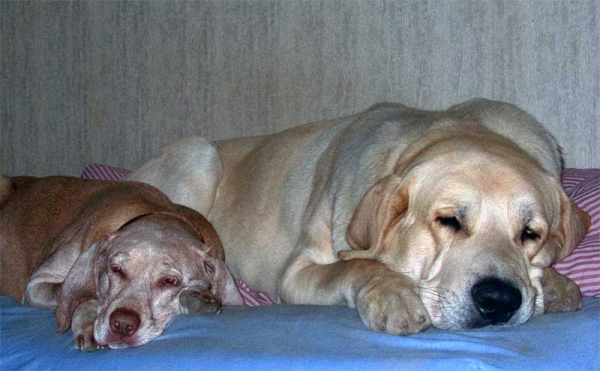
column 473, row 219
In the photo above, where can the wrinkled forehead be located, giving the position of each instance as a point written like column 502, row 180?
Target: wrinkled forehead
column 477, row 182
column 155, row 245
column 159, row 231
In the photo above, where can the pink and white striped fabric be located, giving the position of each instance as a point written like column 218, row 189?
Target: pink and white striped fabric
column 253, row 298
column 103, row 172
column 582, row 266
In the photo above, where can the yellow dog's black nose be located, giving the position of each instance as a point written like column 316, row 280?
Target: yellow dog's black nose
column 495, row 300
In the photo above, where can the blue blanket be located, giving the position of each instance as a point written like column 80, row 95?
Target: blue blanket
column 307, row 337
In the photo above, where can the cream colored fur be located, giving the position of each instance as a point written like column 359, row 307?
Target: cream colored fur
column 348, row 211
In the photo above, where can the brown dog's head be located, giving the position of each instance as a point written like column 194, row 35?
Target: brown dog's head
column 143, row 268
column 473, row 220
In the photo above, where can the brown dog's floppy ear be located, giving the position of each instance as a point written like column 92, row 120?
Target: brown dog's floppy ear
column 89, row 237
column 204, row 229
column 380, row 207
column 574, row 224
column 225, row 288
column 6, row 188
column 78, row 286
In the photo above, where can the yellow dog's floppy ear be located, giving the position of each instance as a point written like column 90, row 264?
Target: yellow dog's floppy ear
column 381, row 207
column 572, row 227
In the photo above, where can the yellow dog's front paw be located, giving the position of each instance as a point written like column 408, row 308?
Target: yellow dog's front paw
column 561, row 294
column 388, row 306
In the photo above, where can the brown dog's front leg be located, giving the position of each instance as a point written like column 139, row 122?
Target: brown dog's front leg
column 561, row 294
column 82, row 325
column 196, row 300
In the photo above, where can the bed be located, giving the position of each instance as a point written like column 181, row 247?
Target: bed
column 261, row 336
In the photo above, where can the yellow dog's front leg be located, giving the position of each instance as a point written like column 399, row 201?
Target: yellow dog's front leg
column 561, row 294
column 387, row 301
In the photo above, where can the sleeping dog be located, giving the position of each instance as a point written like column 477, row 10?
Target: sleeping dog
column 116, row 260
column 447, row 218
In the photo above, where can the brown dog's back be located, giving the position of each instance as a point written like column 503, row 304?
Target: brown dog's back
column 33, row 212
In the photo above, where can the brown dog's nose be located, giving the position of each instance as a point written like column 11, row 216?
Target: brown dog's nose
column 124, row 322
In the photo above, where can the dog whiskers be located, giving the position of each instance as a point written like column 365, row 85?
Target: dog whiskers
column 441, row 302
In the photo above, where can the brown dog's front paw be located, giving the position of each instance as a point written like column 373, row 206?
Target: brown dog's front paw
column 86, row 343
column 388, row 306
column 561, row 294
column 83, row 326
column 196, row 302
column 83, row 335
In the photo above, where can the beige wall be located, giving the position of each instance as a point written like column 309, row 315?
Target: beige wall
column 111, row 82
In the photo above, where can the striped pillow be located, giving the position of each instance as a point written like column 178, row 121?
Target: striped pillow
column 582, row 266
column 103, row 172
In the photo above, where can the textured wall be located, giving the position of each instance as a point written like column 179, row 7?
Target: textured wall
column 111, row 82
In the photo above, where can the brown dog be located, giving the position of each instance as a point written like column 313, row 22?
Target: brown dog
column 116, row 260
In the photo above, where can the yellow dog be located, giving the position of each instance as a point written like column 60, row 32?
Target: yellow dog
column 416, row 218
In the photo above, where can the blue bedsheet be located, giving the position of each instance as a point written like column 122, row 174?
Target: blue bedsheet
column 307, row 337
